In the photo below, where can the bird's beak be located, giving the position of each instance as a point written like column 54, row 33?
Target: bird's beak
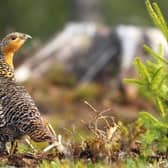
column 26, row 36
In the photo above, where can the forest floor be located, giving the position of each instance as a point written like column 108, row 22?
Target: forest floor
column 97, row 125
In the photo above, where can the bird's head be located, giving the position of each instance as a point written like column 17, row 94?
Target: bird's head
column 10, row 44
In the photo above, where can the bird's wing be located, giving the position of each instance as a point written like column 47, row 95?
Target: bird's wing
column 2, row 117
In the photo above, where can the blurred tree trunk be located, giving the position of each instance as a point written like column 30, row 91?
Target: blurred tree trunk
column 87, row 10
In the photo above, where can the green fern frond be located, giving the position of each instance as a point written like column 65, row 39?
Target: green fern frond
column 142, row 70
column 133, row 81
column 161, row 107
column 157, row 17
column 153, row 79
column 151, row 121
column 156, row 56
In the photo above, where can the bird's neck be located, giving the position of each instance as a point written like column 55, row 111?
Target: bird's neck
column 8, row 56
column 5, row 69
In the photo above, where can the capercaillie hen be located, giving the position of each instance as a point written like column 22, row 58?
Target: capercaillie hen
column 19, row 115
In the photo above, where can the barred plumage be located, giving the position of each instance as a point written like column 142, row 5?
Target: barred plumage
column 19, row 115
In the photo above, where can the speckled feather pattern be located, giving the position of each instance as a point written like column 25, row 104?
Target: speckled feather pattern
column 19, row 115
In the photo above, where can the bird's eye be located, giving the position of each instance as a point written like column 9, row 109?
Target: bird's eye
column 13, row 37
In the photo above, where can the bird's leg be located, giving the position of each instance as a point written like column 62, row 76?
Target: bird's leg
column 14, row 146
column 3, row 149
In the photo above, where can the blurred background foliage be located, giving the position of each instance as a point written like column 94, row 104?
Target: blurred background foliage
column 130, row 11
column 42, row 18
column 38, row 18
